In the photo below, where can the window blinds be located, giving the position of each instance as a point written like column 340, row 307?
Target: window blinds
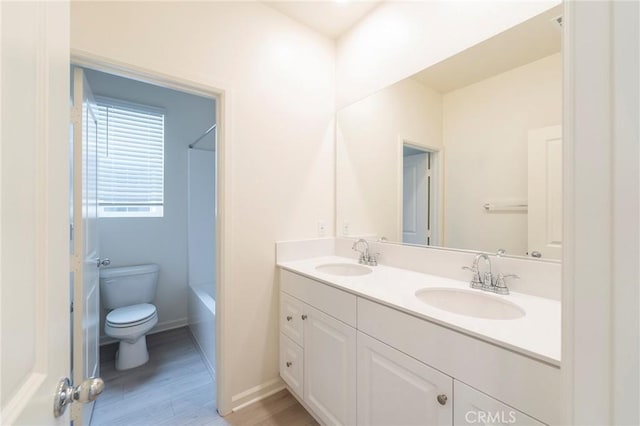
column 130, row 159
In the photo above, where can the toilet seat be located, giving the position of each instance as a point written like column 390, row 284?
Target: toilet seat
column 131, row 316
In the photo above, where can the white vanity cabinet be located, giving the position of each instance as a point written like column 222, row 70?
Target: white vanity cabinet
column 318, row 347
column 476, row 408
column 395, row 389
column 514, row 379
column 354, row 361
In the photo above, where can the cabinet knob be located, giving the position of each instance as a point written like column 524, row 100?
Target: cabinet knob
column 304, row 317
column 442, row 399
column 289, row 363
column 289, row 317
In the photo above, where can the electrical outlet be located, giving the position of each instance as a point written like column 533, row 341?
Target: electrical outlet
column 321, row 228
column 345, row 228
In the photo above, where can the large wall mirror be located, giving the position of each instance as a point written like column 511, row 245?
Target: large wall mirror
column 465, row 154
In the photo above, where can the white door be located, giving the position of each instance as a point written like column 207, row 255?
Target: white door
column 414, row 199
column 329, row 368
column 395, row 389
column 85, row 260
column 34, row 210
column 476, row 408
column 545, row 193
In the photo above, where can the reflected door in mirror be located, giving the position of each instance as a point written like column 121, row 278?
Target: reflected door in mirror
column 545, row 193
column 415, row 198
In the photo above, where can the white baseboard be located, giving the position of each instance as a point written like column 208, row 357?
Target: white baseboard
column 256, row 393
column 169, row 325
column 159, row 328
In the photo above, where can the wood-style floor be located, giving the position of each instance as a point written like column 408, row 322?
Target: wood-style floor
column 280, row 409
column 175, row 388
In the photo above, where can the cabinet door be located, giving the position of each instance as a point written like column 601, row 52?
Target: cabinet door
column 329, row 368
column 395, row 389
column 476, row 408
column 291, row 317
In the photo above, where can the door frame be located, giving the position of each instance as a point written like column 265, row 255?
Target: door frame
column 222, row 94
column 80, row 224
column 437, row 167
column 601, row 241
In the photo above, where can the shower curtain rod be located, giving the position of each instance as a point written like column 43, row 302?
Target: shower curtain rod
column 202, row 136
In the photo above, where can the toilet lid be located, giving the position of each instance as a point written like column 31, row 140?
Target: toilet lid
column 131, row 315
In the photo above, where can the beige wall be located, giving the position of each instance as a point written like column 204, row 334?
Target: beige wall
column 485, row 132
column 398, row 39
column 369, row 147
column 280, row 82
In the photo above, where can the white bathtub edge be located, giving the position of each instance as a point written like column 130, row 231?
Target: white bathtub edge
column 202, row 325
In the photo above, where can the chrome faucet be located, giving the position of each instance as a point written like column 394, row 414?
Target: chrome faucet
column 365, row 258
column 487, row 278
column 486, row 281
column 364, row 254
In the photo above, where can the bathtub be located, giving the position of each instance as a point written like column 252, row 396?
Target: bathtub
column 202, row 321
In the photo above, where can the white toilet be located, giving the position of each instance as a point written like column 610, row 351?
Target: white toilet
column 128, row 292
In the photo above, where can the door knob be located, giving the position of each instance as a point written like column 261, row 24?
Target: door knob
column 85, row 392
column 104, row 262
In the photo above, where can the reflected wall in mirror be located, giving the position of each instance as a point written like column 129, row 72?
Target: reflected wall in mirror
column 465, row 154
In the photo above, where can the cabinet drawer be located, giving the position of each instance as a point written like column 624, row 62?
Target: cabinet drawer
column 291, row 318
column 473, row 407
column 291, row 364
column 337, row 303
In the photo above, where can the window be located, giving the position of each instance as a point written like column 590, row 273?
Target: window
column 130, row 159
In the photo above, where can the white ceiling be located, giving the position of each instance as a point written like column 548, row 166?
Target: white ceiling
column 533, row 39
column 329, row 17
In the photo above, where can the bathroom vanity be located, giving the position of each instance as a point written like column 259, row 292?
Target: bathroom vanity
column 363, row 345
column 415, row 340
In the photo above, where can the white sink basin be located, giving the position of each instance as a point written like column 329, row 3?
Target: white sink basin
column 344, row 269
column 470, row 303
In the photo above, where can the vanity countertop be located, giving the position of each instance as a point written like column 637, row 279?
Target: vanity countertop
column 537, row 334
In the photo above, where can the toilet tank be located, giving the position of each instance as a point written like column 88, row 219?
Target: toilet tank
column 128, row 285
